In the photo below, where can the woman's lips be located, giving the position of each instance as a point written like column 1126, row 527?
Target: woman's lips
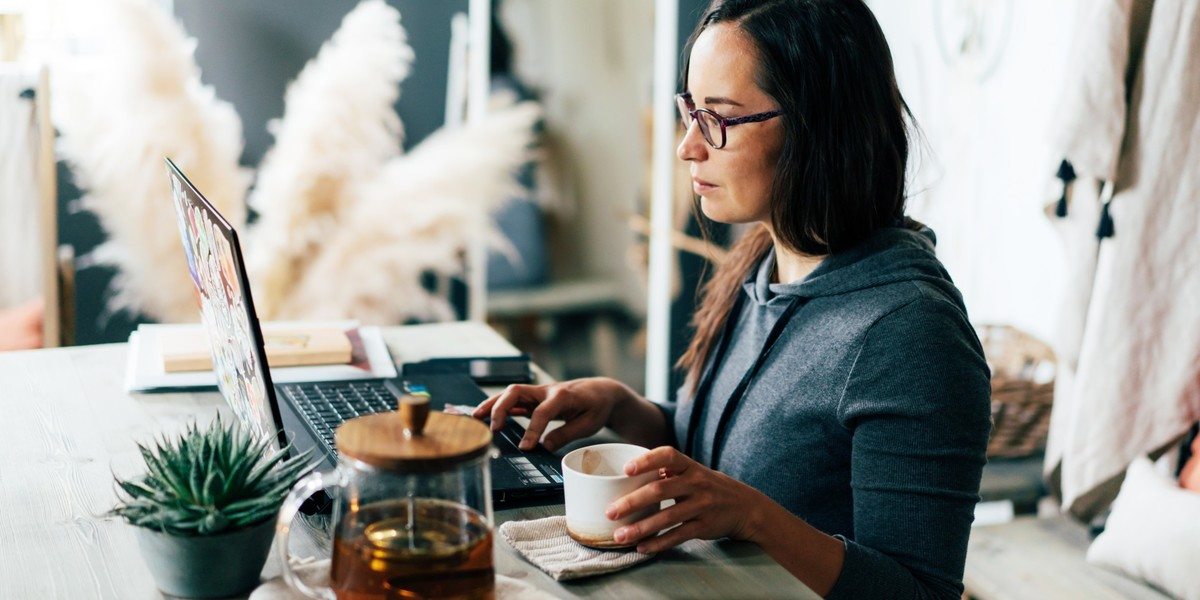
column 701, row 186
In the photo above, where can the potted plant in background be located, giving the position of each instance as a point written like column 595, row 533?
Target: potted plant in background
column 205, row 508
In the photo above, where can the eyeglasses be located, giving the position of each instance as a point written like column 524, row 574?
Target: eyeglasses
column 712, row 125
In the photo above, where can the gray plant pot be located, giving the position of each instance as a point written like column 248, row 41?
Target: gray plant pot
column 210, row 566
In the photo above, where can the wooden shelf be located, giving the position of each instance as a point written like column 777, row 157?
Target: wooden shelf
column 582, row 295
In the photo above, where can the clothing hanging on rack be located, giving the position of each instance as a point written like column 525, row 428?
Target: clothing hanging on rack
column 20, row 200
column 1128, row 380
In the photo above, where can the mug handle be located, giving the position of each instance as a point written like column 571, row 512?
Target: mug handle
column 307, row 486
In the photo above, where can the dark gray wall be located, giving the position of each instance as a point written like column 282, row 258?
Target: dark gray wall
column 690, row 12
column 250, row 49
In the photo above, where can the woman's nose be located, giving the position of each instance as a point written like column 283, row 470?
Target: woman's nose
column 692, row 146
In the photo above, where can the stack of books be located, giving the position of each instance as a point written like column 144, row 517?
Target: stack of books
column 172, row 357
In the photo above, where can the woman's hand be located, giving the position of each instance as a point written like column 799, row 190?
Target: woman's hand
column 708, row 504
column 585, row 405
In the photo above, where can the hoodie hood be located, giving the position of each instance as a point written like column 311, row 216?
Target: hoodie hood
column 889, row 255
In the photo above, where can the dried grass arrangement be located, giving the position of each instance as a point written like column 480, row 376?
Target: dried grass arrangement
column 348, row 222
column 138, row 99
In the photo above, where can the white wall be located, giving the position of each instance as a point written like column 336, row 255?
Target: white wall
column 592, row 63
column 986, row 114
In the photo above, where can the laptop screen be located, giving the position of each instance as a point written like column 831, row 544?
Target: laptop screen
column 226, row 308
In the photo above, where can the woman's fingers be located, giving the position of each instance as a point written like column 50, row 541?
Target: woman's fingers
column 510, row 397
column 664, row 457
column 550, row 406
column 651, row 525
column 689, row 530
column 485, row 408
column 579, row 427
column 648, row 495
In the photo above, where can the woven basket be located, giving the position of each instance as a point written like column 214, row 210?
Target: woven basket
column 1023, row 369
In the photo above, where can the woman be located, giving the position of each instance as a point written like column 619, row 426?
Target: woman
column 836, row 410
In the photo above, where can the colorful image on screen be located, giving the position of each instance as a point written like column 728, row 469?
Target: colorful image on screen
column 210, row 259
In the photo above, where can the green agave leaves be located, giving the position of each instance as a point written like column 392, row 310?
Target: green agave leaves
column 210, row 481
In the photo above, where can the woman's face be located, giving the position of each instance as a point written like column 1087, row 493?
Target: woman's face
column 734, row 183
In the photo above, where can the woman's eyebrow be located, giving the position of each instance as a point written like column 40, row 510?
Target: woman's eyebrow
column 720, row 100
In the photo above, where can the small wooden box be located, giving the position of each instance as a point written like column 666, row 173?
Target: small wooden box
column 190, row 351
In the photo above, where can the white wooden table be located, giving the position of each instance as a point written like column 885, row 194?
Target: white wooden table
column 66, row 425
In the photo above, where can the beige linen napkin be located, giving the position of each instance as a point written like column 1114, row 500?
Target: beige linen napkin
column 316, row 573
column 545, row 543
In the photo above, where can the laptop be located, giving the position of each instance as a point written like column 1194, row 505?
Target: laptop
column 308, row 413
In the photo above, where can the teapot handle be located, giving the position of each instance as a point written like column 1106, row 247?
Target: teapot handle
column 307, row 486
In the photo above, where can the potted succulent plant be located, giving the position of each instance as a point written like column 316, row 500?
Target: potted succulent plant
column 205, row 508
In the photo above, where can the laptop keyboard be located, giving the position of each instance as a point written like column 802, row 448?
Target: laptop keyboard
column 327, row 405
column 529, row 473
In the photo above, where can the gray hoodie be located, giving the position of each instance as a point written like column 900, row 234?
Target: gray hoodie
column 870, row 416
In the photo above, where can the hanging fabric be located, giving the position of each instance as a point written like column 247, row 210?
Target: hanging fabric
column 1129, row 376
column 20, row 200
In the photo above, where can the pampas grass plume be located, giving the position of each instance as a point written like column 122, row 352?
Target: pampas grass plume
column 143, row 102
column 339, row 126
column 419, row 213
column 348, row 223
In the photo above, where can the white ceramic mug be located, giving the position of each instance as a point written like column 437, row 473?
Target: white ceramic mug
column 593, row 477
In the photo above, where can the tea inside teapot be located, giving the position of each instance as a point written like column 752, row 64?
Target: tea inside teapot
column 413, row 548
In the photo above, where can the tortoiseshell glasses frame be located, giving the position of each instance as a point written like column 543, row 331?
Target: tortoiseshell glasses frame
column 713, row 125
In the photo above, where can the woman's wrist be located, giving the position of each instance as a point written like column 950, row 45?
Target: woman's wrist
column 637, row 419
column 762, row 513
column 626, row 400
column 810, row 555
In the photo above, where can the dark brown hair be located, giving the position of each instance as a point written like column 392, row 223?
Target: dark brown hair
column 840, row 174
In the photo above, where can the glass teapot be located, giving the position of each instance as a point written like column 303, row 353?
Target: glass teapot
column 412, row 510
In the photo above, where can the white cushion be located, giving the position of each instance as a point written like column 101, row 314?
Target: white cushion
column 1153, row 532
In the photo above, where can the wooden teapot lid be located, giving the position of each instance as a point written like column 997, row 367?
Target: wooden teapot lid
column 413, row 439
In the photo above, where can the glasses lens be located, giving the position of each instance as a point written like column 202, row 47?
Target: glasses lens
column 710, row 127
column 684, row 115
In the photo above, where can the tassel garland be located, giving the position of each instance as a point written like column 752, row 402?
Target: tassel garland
column 1066, row 173
column 1105, row 228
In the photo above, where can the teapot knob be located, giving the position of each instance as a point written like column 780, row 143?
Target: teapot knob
column 414, row 412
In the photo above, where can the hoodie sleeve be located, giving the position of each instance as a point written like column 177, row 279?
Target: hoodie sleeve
column 669, row 411
column 917, row 404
